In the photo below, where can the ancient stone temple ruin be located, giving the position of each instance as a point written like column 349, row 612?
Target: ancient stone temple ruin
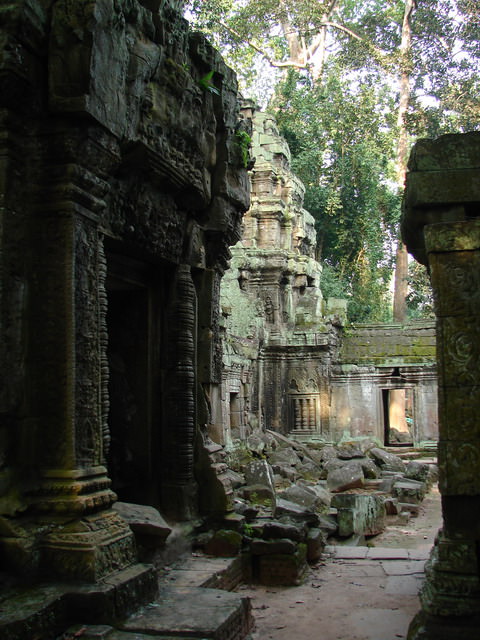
column 122, row 187
column 289, row 364
column 441, row 229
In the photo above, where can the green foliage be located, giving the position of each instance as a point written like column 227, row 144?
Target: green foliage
column 420, row 295
column 338, row 111
column 206, row 83
column 244, row 141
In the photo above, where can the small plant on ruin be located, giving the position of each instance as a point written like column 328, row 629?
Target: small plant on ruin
column 244, row 141
column 206, row 83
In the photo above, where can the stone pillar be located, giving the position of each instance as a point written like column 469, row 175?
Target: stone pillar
column 441, row 228
column 68, row 396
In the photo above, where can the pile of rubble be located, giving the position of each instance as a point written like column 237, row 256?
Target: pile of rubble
column 289, row 498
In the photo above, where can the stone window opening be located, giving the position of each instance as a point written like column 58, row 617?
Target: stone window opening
column 304, row 412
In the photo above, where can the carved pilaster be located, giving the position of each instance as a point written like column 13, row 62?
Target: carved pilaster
column 179, row 485
column 441, row 229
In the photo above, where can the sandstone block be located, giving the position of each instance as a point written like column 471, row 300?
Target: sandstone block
column 347, row 477
column 360, row 514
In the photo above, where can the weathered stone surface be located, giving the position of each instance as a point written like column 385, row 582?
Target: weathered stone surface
column 259, row 494
column 290, row 510
column 349, row 451
column 282, row 457
column 409, row 491
column 279, row 546
column 283, row 569
column 387, row 461
column 350, row 476
column 316, row 541
column 359, row 514
column 275, row 529
column 208, row 611
column 143, row 520
column 259, row 472
column 303, row 496
column 224, row 544
column 328, row 524
column 420, row 471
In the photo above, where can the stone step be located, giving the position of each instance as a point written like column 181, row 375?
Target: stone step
column 195, row 612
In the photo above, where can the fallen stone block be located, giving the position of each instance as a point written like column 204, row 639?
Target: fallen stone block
column 387, row 461
column 282, row 569
column 224, row 544
column 303, row 496
column 413, row 509
column 284, row 509
column 360, row 514
column 392, row 507
column 275, row 529
column 259, row 472
column 409, row 491
column 268, row 547
column 328, row 524
column 347, row 477
column 259, row 494
column 316, row 541
column 146, row 522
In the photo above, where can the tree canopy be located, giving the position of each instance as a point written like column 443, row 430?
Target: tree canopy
column 351, row 83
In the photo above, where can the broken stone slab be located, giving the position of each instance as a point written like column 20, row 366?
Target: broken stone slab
column 268, row 547
column 247, row 510
column 145, row 522
column 331, row 465
column 348, row 451
column 350, row 476
column 284, row 457
column 387, row 461
column 328, row 452
column 236, row 479
column 285, row 509
column 421, row 471
column 275, row 529
column 259, row 472
column 285, row 472
column 259, row 494
column 305, row 497
column 370, row 470
column 360, row 514
column 309, row 470
column 409, row 491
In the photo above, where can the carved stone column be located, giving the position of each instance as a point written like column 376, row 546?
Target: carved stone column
column 442, row 230
column 68, row 396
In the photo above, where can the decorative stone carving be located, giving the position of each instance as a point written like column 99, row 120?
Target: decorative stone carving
column 121, row 175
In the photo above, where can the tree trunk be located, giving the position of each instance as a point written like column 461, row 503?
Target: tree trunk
column 401, row 267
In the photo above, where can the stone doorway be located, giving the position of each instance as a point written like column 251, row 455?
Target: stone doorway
column 398, row 416
column 134, row 325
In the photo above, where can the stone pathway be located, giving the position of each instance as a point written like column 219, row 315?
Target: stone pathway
column 355, row 593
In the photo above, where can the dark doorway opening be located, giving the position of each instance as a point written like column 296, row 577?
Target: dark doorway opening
column 134, row 328
column 398, row 416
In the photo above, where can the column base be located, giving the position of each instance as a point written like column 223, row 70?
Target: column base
column 427, row 627
column 87, row 549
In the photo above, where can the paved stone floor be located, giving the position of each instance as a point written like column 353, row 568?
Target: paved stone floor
column 354, row 593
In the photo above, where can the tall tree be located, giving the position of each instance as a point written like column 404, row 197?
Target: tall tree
column 424, row 59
